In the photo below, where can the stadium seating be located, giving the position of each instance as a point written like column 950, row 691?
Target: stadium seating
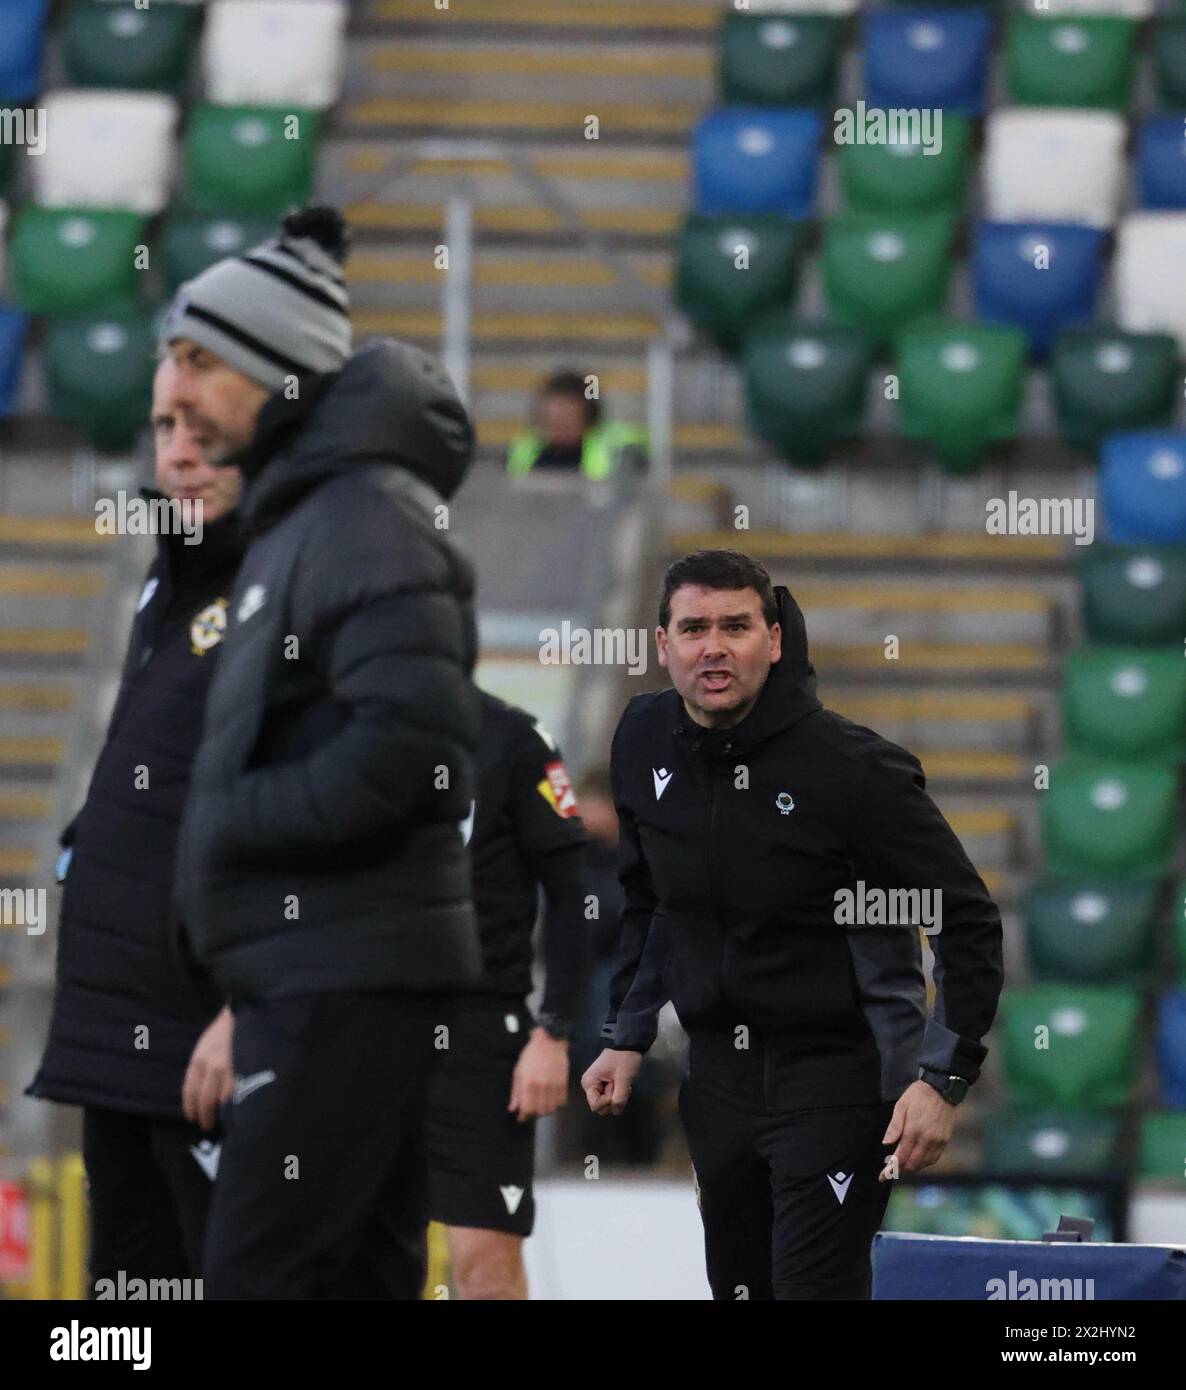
column 191, row 241
column 13, row 325
column 1104, row 380
column 1052, row 1143
column 274, row 53
column 768, row 60
column 98, row 375
column 1142, row 486
column 916, row 58
column 1040, row 278
column 252, row 161
column 1061, row 60
column 806, row 385
column 109, row 150
column 1070, row 1047
column 1053, row 166
column 1150, row 293
column 755, row 159
column 732, row 272
column 1161, row 163
column 881, row 271
column 902, row 176
column 22, row 49
column 1162, row 1146
column 1169, row 60
column 960, row 387
column 1134, row 594
column 1171, row 1050
column 76, row 260
column 1112, row 819
column 1121, row 703
column 125, row 45
column 1090, row 931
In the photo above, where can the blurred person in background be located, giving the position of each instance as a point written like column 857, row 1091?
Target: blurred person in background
column 504, row 1069
column 138, row 1037
column 569, row 432
column 748, row 812
column 322, row 875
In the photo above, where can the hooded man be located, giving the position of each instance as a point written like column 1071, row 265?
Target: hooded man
column 322, row 874
column 768, row 848
column 137, row 1038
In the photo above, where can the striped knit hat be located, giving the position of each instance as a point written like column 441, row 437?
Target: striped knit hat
column 278, row 310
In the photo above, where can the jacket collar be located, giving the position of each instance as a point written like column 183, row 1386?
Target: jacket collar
column 220, row 549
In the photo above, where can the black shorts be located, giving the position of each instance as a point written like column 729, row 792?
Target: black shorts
column 481, row 1158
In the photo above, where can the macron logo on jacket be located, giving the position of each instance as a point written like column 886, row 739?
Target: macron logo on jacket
column 662, row 777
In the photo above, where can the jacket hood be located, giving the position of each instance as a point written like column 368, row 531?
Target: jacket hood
column 788, row 695
column 391, row 404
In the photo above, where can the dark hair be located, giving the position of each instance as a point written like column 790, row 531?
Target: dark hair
column 570, row 383
column 719, row 569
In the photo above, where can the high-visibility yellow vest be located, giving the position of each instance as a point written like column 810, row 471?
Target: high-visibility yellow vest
column 599, row 449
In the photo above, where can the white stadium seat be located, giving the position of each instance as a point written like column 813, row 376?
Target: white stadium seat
column 1150, row 288
column 106, row 150
column 1122, row 9
column 274, row 52
column 1053, row 165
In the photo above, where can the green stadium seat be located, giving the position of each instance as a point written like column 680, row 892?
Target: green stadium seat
column 960, row 387
column 779, row 60
column 903, row 177
column 1111, row 819
column 1178, row 931
column 1125, row 702
column 1134, row 594
column 1070, row 60
column 734, row 270
column 193, row 241
column 1169, row 60
column 1163, row 1146
column 806, row 386
column 883, row 270
column 98, row 374
column 1051, row 1143
column 1105, row 379
column 1091, row 931
column 77, row 260
column 141, row 47
column 1070, row 1047
column 253, row 160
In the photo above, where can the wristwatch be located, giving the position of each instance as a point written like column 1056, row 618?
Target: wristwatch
column 952, row 1088
column 555, row 1026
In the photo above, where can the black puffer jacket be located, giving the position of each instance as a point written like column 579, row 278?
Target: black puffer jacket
column 322, row 845
column 127, row 1012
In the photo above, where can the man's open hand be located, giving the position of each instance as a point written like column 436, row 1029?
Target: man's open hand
column 210, row 1077
column 540, row 1083
column 921, row 1126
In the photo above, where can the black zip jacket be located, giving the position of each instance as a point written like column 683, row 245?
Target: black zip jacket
column 127, row 1011
column 734, row 845
column 322, row 846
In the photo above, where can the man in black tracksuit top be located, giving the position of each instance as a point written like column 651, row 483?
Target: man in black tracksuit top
column 322, row 872
column 757, row 830
column 503, row 1069
column 131, row 1021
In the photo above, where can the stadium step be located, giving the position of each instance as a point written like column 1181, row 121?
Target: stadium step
column 650, row 20
column 948, row 719
column 558, row 328
column 936, row 550
column 529, row 221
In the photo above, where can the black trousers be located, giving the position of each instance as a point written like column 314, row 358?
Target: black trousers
column 790, row 1200
column 149, row 1182
column 322, row 1190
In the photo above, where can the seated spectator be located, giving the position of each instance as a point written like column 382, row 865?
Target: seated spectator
column 570, row 433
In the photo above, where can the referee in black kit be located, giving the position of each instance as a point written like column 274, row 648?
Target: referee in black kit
column 753, row 820
column 503, row 1069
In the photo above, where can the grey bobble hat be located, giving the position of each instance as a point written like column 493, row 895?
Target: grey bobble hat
column 278, row 310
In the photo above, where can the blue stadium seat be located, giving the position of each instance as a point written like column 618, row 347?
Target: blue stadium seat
column 12, row 336
column 1171, row 1048
column 1039, row 277
column 1143, row 486
column 1161, row 162
column 927, row 58
column 756, row 159
column 22, row 46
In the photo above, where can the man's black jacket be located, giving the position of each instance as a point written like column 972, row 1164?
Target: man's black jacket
column 322, row 847
column 734, row 845
column 127, row 1012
